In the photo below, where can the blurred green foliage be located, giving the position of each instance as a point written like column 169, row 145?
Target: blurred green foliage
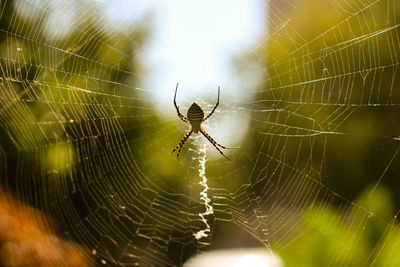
column 330, row 235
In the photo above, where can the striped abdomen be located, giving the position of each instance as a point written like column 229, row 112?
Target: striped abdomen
column 195, row 115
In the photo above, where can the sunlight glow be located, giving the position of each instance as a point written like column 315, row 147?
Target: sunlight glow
column 252, row 260
column 236, row 258
column 195, row 42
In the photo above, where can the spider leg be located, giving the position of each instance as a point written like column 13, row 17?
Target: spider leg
column 177, row 108
column 209, row 115
column 212, row 141
column 181, row 143
column 225, row 147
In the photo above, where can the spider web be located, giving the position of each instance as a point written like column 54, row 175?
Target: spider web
column 81, row 140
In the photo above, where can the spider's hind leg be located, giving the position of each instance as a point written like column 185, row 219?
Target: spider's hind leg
column 214, row 143
column 181, row 143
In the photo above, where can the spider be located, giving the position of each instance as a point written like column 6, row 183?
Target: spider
column 195, row 117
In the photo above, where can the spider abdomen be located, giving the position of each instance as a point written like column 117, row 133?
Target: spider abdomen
column 195, row 115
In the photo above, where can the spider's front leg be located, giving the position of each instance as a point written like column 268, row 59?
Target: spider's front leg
column 209, row 115
column 182, row 117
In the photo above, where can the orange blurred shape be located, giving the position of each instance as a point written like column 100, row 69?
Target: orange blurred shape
column 26, row 239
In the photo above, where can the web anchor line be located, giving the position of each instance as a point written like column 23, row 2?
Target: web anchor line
column 203, row 195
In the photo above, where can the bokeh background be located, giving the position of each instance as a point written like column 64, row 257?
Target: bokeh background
column 309, row 92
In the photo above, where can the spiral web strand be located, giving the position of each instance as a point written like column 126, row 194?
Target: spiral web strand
column 81, row 140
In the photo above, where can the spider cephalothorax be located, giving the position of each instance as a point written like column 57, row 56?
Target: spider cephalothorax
column 195, row 117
